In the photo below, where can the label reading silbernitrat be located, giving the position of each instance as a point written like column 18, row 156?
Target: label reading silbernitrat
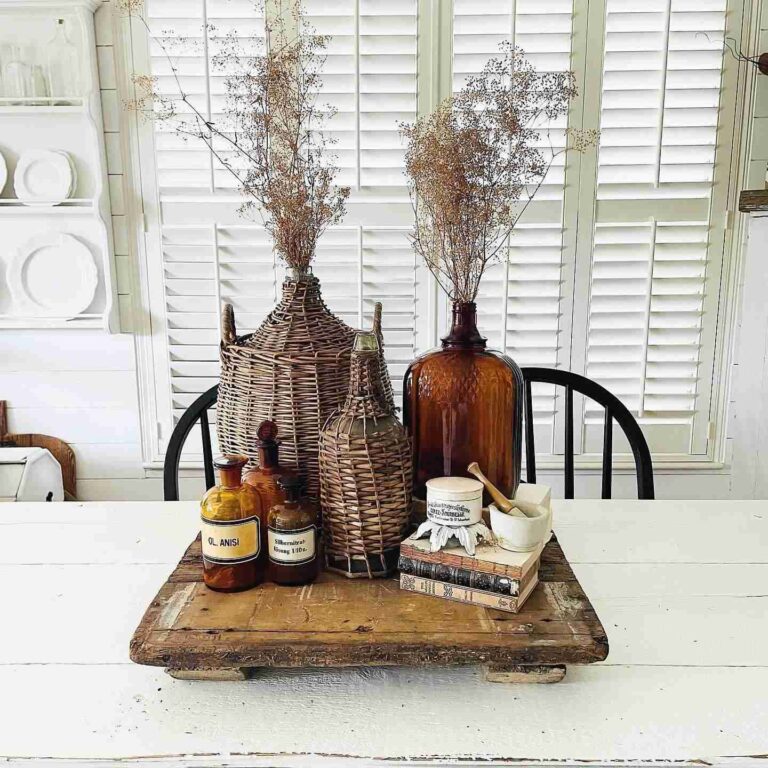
column 291, row 547
column 229, row 542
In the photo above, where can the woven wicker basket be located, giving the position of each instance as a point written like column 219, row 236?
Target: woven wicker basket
column 365, row 476
column 293, row 370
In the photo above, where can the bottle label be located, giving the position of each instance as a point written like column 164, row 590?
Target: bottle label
column 293, row 547
column 229, row 542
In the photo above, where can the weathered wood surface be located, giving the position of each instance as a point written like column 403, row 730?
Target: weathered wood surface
column 336, row 622
column 753, row 200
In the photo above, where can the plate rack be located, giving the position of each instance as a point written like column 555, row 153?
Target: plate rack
column 70, row 123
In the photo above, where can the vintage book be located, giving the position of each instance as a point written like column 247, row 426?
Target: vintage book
column 488, row 558
column 466, row 594
column 463, row 577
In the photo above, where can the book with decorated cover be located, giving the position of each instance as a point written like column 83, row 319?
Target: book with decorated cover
column 488, row 558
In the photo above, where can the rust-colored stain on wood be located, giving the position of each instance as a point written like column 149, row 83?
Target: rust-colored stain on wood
column 338, row 622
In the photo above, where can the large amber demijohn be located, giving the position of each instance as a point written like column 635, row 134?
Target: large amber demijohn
column 463, row 403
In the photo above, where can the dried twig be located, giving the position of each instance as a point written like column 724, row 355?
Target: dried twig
column 271, row 139
column 475, row 165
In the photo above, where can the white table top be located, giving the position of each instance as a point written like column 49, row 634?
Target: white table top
column 680, row 586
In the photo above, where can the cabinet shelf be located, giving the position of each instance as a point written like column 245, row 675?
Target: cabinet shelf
column 39, row 105
column 81, row 321
column 73, row 206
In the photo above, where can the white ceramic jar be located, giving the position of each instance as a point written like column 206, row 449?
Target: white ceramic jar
column 454, row 500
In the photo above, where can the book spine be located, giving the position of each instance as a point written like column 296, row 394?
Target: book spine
column 461, row 577
column 459, row 594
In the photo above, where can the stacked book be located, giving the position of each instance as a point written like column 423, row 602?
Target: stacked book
column 493, row 577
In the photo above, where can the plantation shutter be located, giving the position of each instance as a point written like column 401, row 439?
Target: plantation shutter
column 522, row 305
column 656, row 251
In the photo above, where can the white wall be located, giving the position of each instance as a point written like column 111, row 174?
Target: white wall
column 81, row 386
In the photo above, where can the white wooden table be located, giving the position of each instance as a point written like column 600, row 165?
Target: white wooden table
column 681, row 589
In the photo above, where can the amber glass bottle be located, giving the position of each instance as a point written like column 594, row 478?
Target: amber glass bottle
column 265, row 477
column 463, row 403
column 292, row 536
column 232, row 530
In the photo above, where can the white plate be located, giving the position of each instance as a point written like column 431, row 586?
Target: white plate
column 3, row 172
column 43, row 177
column 53, row 275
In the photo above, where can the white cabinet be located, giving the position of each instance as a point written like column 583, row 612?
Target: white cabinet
column 38, row 119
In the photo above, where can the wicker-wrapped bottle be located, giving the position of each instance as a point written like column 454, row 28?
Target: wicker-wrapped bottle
column 365, row 473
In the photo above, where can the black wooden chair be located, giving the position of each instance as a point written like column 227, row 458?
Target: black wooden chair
column 198, row 411
column 614, row 409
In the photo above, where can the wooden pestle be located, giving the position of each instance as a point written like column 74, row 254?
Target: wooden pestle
column 502, row 502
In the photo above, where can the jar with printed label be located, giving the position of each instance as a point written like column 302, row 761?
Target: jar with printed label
column 292, row 536
column 232, row 530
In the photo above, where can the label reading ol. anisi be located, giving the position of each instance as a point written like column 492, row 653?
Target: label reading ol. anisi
column 229, row 542
column 291, row 547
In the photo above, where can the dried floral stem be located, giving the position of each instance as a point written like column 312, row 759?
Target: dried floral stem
column 271, row 140
column 475, row 165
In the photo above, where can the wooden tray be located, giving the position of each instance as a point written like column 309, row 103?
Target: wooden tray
column 199, row 634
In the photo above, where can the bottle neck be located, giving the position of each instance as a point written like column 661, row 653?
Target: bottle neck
column 464, row 331
column 232, row 477
column 269, row 457
column 362, row 374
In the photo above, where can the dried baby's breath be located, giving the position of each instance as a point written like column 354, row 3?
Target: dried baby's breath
column 270, row 136
column 476, row 162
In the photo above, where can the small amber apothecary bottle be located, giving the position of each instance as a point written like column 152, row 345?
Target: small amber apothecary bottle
column 232, row 530
column 265, row 477
column 292, row 536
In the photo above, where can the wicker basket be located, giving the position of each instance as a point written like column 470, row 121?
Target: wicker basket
column 365, row 476
column 293, row 370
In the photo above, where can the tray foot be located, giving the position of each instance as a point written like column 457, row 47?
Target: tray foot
column 518, row 673
column 239, row 673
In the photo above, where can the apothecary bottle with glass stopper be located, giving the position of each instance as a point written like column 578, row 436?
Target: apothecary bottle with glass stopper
column 292, row 536
column 265, row 478
column 232, row 528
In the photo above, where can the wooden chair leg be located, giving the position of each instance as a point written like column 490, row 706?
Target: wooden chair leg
column 518, row 673
column 238, row 673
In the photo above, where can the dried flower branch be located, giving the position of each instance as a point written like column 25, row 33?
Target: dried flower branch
column 475, row 165
column 271, row 139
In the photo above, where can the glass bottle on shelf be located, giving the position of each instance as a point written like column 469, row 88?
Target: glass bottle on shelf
column 265, row 477
column 64, row 79
column 292, row 536
column 463, row 403
column 232, row 530
column 17, row 75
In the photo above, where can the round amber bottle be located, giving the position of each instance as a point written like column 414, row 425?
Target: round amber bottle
column 232, row 530
column 463, row 403
column 292, row 536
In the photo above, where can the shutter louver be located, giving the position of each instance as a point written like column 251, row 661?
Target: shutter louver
column 659, row 117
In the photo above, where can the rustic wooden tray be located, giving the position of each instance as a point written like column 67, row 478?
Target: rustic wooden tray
column 199, row 634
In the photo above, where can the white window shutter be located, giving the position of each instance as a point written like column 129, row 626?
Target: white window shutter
column 651, row 288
